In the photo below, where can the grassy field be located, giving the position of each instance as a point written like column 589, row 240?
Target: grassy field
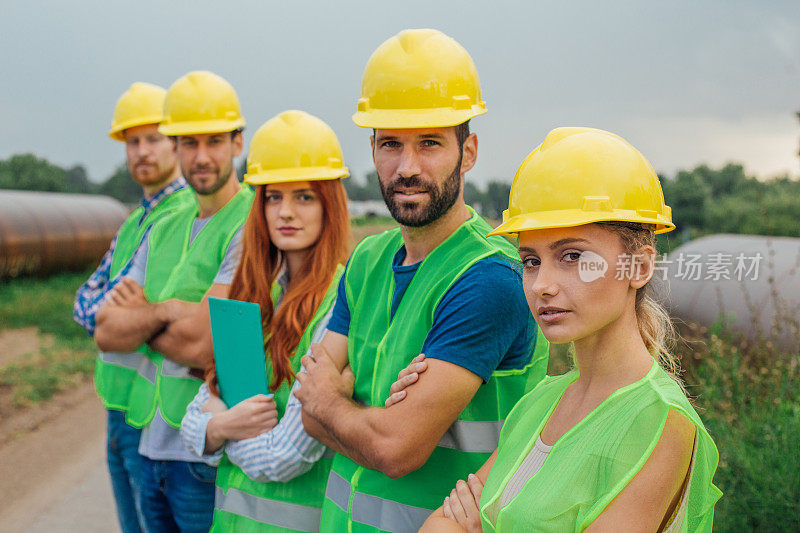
column 47, row 305
column 747, row 394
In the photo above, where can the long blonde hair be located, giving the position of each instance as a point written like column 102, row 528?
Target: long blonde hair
column 655, row 324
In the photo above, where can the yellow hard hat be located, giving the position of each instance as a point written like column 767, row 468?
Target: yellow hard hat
column 142, row 103
column 419, row 79
column 580, row 176
column 294, row 146
column 201, row 102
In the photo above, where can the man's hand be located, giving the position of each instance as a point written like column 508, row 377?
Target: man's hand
column 321, row 384
column 408, row 376
column 463, row 504
column 127, row 293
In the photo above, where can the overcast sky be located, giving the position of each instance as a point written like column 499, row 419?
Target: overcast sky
column 686, row 82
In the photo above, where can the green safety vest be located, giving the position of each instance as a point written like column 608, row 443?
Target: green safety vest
column 379, row 346
column 179, row 269
column 114, row 373
column 242, row 504
column 592, row 462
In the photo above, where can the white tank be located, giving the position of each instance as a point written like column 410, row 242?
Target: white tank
column 750, row 281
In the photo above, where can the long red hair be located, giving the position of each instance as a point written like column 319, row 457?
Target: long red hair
column 261, row 264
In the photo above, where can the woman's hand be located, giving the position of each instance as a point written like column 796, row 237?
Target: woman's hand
column 245, row 420
column 444, row 518
column 463, row 504
column 406, row 377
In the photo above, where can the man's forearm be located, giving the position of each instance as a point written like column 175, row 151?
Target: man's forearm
column 318, row 431
column 358, row 433
column 186, row 341
column 124, row 329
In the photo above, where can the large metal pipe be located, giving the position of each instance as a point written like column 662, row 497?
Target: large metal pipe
column 751, row 282
column 42, row 233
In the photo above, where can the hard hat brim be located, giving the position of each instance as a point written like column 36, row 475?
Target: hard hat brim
column 200, row 127
column 117, row 130
column 290, row 175
column 567, row 218
column 396, row 119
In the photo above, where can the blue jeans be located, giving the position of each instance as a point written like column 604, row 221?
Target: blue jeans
column 177, row 496
column 125, row 469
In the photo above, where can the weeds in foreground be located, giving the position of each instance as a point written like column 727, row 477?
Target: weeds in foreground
column 748, row 395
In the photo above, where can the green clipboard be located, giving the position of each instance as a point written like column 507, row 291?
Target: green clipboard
column 238, row 349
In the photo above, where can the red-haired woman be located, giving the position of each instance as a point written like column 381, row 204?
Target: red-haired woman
column 295, row 241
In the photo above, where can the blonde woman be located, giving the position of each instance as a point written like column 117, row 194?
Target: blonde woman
column 614, row 444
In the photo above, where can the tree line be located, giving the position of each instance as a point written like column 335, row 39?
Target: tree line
column 28, row 172
column 704, row 200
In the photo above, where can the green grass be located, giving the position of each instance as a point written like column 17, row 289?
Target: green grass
column 47, row 305
column 748, row 395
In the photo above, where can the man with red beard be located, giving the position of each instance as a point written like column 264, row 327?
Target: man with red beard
column 153, row 165
column 187, row 257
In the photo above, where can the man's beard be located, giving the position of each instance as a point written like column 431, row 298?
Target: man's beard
column 161, row 174
column 207, row 190
column 441, row 200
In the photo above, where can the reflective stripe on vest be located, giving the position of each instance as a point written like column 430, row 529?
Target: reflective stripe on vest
column 148, row 370
column 386, row 515
column 130, row 360
column 338, row 491
column 266, row 511
column 171, row 369
column 472, row 436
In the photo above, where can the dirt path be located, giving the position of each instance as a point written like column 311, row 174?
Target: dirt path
column 52, row 467
column 18, row 344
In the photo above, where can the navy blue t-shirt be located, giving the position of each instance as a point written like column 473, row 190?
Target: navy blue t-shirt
column 482, row 323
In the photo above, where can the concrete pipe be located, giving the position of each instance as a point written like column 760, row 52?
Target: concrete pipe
column 751, row 282
column 42, row 233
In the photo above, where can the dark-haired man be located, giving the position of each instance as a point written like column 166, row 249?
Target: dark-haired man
column 435, row 286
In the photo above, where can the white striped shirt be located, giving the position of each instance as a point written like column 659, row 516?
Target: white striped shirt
column 281, row 454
